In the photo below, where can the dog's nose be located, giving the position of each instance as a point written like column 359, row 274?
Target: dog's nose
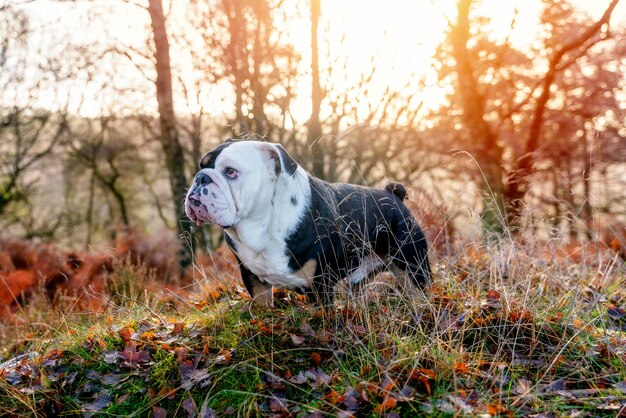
column 203, row 179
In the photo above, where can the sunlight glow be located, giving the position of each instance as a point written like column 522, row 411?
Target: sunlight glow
column 397, row 38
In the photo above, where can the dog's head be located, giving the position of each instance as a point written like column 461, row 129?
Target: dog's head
column 236, row 180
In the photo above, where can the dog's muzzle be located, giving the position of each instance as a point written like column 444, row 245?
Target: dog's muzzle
column 208, row 201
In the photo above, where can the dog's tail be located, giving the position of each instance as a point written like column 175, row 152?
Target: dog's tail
column 397, row 189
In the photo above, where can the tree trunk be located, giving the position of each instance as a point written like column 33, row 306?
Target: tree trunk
column 314, row 133
column 174, row 158
column 473, row 104
column 89, row 217
column 237, row 62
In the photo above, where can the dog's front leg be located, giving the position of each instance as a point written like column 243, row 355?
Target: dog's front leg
column 260, row 292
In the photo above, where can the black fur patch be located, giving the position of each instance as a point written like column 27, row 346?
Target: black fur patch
column 344, row 224
column 397, row 189
column 208, row 161
column 289, row 164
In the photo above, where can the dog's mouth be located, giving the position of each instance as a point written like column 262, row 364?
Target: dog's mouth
column 192, row 208
column 208, row 204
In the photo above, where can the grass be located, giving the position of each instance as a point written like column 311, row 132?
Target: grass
column 504, row 330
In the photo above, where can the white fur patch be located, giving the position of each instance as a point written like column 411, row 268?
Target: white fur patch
column 266, row 209
column 368, row 265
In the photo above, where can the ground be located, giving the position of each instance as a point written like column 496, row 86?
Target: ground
column 511, row 328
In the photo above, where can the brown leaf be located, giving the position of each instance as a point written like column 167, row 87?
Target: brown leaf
column 387, row 385
column 169, row 393
column 331, row 397
column 364, row 397
column 424, row 381
column 151, row 393
column 223, row 356
column 387, row 404
column 178, row 328
column 460, row 368
column 126, row 333
column 365, row 370
column 493, row 298
column 181, row 354
column 316, row 358
column 134, row 358
column 498, row 409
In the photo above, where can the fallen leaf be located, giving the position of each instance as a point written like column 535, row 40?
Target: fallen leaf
column 297, row 340
column 178, row 328
column 387, row 404
column 306, row 329
column 460, row 403
column 207, row 412
column 158, row 412
column 316, row 358
column 148, row 335
column 278, row 404
column 101, row 402
column 460, row 368
column 126, row 333
column 616, row 313
column 112, row 379
column 493, row 299
column 223, row 356
column 351, row 403
column 165, row 392
column 406, row 394
column 387, row 385
column 93, row 375
column 523, row 386
column 331, row 397
column 192, row 377
column 189, row 405
column 299, row 379
column 135, row 358
column 365, row 370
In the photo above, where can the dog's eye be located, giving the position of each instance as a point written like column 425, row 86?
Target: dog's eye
column 231, row 173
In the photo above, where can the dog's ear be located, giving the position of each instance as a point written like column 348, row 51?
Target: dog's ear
column 281, row 160
column 208, row 161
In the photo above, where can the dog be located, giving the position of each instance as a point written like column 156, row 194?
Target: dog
column 289, row 229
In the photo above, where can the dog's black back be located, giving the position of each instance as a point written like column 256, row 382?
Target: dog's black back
column 359, row 221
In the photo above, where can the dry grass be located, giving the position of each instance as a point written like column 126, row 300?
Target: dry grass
column 518, row 327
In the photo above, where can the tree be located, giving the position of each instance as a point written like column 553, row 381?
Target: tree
column 314, row 132
column 172, row 149
column 489, row 76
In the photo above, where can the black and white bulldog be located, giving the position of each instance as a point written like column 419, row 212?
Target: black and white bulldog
column 291, row 230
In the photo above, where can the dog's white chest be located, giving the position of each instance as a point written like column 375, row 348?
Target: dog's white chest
column 271, row 265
